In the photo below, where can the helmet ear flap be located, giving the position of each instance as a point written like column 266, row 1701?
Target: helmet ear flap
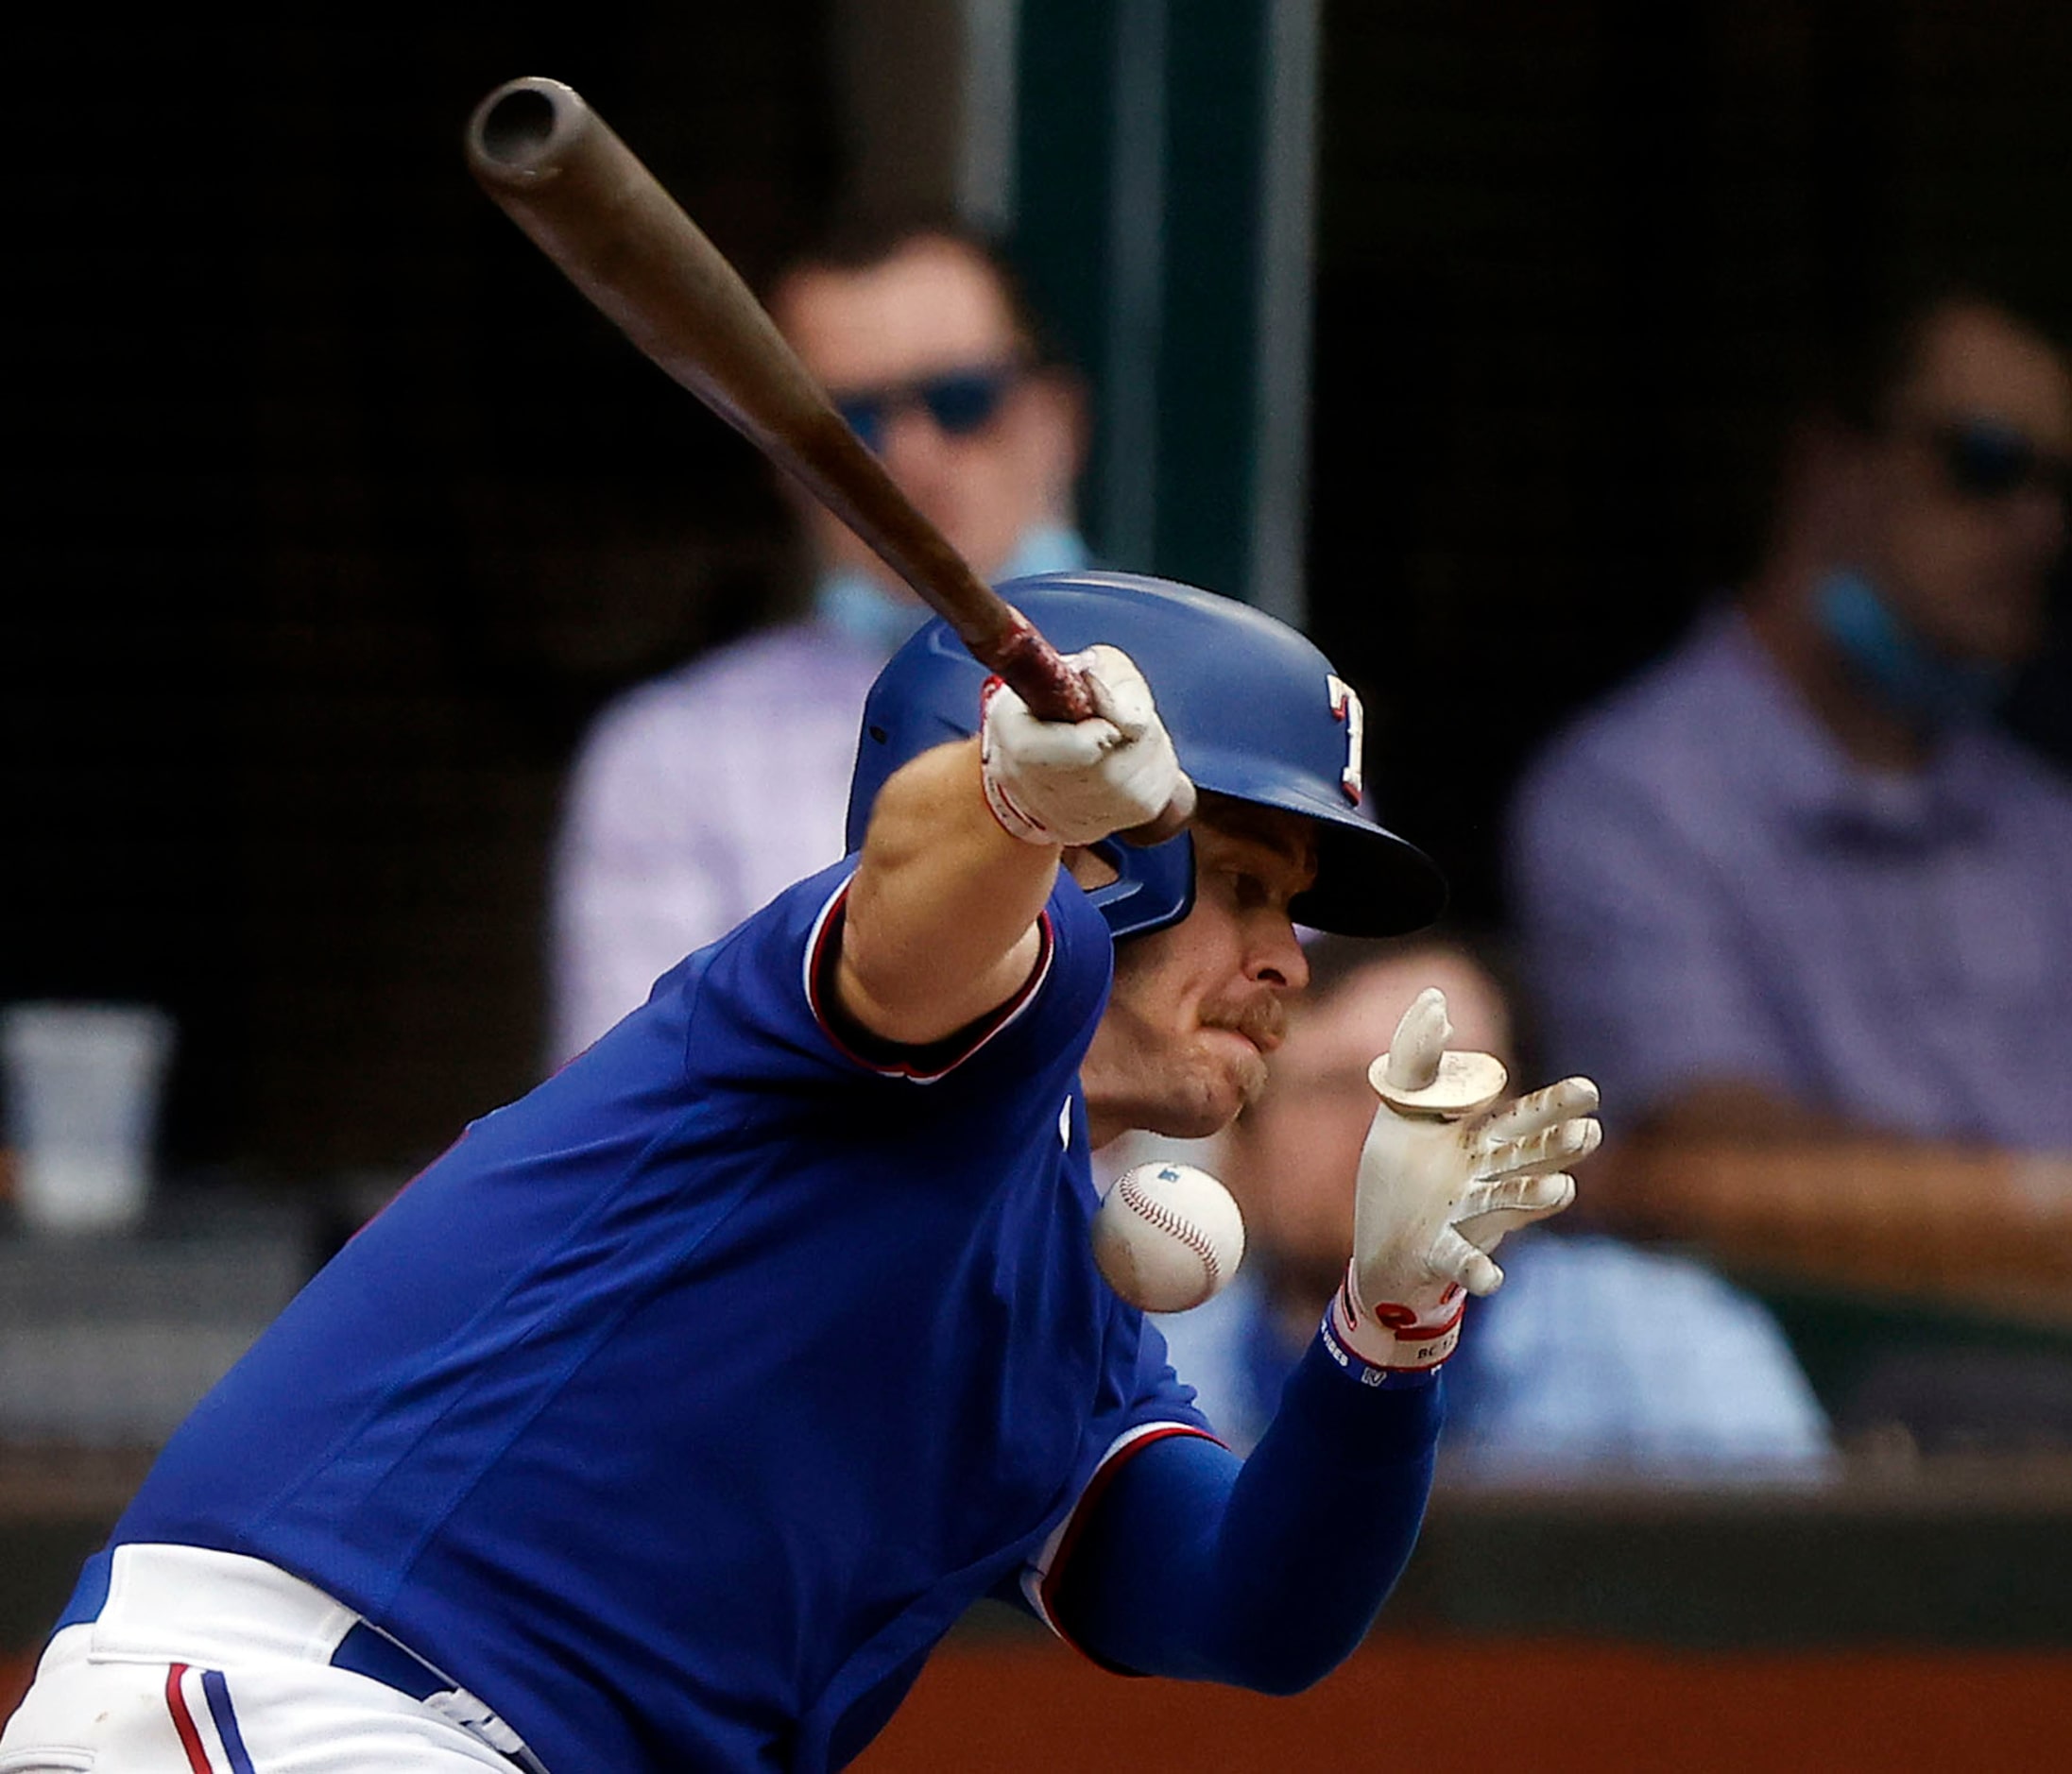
column 1154, row 886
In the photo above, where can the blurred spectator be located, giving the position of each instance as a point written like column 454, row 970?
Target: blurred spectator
column 697, row 796
column 1796, row 879
column 1594, row 1356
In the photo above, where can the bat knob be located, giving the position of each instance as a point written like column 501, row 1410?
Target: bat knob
column 522, row 131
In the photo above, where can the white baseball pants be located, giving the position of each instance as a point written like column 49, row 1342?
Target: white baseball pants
column 206, row 1663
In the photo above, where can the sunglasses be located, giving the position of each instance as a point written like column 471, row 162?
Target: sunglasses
column 960, row 402
column 1983, row 459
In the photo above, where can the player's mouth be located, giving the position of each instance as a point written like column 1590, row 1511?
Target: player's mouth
column 1262, row 1021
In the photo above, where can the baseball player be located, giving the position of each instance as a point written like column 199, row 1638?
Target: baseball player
column 670, row 1417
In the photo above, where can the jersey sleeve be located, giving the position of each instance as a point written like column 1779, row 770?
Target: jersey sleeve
column 1144, row 1402
column 1264, row 1573
column 772, row 981
column 925, row 1063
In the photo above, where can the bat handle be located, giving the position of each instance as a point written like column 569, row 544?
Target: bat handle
column 1030, row 664
column 1034, row 669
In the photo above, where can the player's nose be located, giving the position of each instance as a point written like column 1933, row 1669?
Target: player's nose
column 1276, row 956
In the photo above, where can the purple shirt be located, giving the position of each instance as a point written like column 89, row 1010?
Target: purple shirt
column 1708, row 888
column 699, row 796
column 696, row 800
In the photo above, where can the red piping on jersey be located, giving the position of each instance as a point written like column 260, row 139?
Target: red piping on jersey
column 1082, row 1512
column 820, row 954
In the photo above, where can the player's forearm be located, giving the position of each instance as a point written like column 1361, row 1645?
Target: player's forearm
column 1264, row 1576
column 941, row 919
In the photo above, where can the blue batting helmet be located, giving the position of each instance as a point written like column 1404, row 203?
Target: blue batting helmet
column 1256, row 713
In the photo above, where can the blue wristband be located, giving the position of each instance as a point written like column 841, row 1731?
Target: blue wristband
column 1357, row 1367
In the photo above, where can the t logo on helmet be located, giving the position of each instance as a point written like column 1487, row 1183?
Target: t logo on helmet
column 1345, row 706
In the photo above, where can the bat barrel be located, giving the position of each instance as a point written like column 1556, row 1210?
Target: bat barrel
column 556, row 168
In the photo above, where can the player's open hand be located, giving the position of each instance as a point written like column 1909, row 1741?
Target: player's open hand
column 1444, row 1175
column 1073, row 782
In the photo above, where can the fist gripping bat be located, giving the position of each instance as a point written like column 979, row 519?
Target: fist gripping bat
column 559, row 172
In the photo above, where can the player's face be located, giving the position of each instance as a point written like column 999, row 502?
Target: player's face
column 1198, row 1006
column 1971, row 480
column 1002, row 456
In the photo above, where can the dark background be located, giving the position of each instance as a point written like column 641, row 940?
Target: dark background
column 1578, row 264
column 340, row 512
column 336, row 514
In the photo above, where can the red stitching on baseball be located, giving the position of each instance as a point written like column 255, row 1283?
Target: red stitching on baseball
column 1167, row 1221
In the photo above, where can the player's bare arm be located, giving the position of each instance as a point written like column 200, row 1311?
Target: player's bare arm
column 963, row 844
column 942, row 915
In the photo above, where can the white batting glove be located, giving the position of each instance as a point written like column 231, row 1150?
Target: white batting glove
column 1443, row 1178
column 1073, row 782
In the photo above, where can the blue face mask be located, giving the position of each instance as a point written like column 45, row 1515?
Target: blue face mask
column 1046, row 548
column 855, row 604
column 865, row 611
column 1911, row 678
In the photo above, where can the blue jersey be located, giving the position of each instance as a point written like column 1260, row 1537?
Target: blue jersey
column 683, row 1405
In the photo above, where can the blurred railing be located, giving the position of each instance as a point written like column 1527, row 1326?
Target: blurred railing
column 1944, row 1226
column 1927, row 1289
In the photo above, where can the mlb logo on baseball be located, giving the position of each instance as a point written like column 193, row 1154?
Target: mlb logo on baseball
column 1168, row 1236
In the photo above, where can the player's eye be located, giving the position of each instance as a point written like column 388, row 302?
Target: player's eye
column 1252, row 892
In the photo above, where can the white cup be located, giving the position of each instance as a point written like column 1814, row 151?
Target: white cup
column 82, row 1099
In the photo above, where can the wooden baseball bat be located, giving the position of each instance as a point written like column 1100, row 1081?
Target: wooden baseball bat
column 555, row 166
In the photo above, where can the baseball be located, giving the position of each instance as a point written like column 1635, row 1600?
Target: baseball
column 1168, row 1236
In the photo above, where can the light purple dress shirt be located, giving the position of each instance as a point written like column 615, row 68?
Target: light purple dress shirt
column 1706, row 887
column 697, row 798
